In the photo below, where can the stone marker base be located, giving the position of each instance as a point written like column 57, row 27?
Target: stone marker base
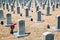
column 36, row 21
column 54, row 28
column 6, row 25
column 20, row 35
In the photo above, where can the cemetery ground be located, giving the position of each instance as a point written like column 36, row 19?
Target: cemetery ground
column 35, row 29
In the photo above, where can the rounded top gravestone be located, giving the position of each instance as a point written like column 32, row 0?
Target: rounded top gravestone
column 21, row 24
column 58, row 22
column 21, row 29
column 48, row 36
column 1, row 15
column 8, row 18
column 18, row 10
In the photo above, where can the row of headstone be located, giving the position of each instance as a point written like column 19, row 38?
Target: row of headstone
column 47, row 8
column 53, row 3
column 21, row 29
column 7, row 1
column 21, row 24
column 6, row 5
column 27, row 10
column 18, row 10
column 22, row 32
column 23, row 2
column 48, row 13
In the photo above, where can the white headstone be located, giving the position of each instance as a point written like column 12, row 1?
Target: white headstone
column 38, row 17
column 48, row 9
column 26, row 12
column 9, row 21
column 43, row 5
column 48, row 36
column 3, row 5
column 37, row 8
column 8, row 18
column 53, row 7
column 7, row 6
column 21, row 29
column 57, row 27
column 1, row 15
column 12, row 7
column 58, row 22
column 18, row 10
